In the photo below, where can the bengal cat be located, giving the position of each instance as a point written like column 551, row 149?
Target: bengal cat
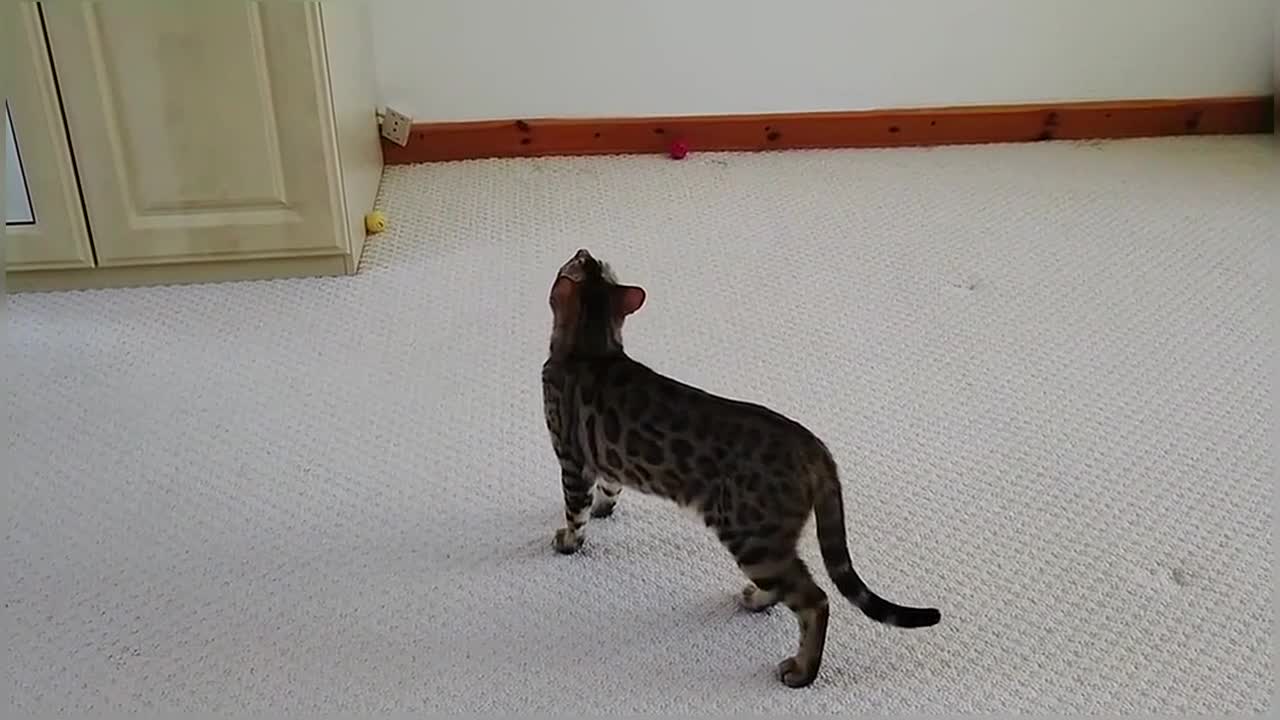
column 752, row 474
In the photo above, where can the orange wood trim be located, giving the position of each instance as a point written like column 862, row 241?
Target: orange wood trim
column 873, row 128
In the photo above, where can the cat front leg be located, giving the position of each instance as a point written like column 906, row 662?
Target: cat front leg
column 577, row 485
column 607, row 491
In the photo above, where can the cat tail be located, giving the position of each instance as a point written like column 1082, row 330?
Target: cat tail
column 829, row 512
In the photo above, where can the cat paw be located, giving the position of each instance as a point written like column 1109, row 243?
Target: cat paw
column 793, row 674
column 566, row 541
column 754, row 599
column 602, row 510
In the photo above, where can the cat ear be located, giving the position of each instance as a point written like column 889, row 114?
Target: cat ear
column 563, row 292
column 627, row 299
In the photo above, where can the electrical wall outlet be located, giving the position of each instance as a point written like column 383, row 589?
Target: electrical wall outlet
column 395, row 126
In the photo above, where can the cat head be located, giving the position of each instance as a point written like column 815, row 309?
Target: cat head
column 588, row 307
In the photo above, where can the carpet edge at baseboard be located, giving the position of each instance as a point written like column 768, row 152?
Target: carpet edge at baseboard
column 431, row 142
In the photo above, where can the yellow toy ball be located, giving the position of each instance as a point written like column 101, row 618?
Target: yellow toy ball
column 375, row 222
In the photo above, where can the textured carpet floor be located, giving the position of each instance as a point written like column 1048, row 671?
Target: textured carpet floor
column 1043, row 369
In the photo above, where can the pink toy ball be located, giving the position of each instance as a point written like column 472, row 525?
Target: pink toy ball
column 679, row 149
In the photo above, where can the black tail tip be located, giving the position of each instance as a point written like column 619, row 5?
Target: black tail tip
column 916, row 618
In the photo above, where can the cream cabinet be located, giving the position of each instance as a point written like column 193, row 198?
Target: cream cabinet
column 181, row 142
column 44, row 227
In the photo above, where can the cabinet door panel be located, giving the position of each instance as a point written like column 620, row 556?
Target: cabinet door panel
column 202, row 131
column 50, row 232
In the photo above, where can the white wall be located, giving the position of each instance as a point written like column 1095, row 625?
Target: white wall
column 480, row 59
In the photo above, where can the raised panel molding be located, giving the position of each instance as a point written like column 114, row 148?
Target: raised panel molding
column 165, row 114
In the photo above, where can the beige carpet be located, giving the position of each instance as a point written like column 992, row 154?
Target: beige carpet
column 1043, row 368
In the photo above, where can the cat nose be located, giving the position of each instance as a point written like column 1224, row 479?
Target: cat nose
column 582, row 254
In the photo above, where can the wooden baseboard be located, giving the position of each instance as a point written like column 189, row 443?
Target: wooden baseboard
column 429, row 142
column 175, row 274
